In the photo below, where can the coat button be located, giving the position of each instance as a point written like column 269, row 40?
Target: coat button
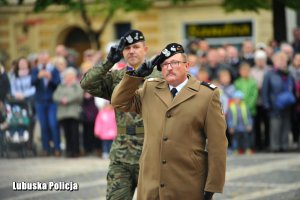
column 162, row 185
column 169, row 115
column 165, row 138
column 164, row 162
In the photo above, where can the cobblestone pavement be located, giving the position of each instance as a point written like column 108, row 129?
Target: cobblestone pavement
column 259, row 176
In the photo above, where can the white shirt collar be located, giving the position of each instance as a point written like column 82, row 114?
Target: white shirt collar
column 180, row 86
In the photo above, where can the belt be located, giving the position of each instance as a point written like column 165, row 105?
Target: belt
column 131, row 130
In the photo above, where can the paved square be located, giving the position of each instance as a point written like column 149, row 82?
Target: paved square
column 255, row 177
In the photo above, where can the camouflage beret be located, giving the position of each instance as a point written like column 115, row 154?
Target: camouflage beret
column 133, row 36
column 170, row 50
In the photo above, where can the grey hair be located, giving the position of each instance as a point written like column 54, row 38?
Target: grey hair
column 69, row 71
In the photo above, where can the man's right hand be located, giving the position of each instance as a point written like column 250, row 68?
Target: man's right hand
column 147, row 67
column 115, row 53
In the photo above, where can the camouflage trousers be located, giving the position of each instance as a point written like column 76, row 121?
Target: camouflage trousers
column 122, row 180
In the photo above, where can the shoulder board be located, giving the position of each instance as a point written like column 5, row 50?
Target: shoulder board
column 209, row 85
column 154, row 79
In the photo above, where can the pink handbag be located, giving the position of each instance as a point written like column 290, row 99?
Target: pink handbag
column 105, row 124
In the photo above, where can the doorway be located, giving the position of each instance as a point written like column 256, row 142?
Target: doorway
column 76, row 39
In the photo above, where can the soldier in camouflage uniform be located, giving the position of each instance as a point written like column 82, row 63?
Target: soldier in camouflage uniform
column 127, row 147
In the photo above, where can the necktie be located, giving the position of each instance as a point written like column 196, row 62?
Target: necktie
column 173, row 92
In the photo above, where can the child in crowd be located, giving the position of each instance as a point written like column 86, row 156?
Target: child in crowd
column 226, row 93
column 248, row 86
column 203, row 75
column 18, row 124
column 239, row 123
column 224, row 78
column 194, row 67
column 106, row 127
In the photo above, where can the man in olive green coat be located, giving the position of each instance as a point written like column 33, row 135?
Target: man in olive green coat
column 126, row 149
column 184, row 153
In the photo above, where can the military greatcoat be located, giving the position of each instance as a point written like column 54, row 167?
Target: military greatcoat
column 185, row 145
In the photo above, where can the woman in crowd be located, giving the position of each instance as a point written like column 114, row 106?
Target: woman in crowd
column 278, row 98
column 22, row 90
column 68, row 96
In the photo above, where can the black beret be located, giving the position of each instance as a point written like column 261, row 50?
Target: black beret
column 133, row 36
column 170, row 50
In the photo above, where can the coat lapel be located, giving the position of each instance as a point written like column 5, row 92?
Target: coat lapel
column 162, row 91
column 189, row 90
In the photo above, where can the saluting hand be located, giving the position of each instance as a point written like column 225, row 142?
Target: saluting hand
column 115, row 53
column 147, row 67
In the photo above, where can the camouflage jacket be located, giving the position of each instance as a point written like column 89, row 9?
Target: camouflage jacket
column 127, row 147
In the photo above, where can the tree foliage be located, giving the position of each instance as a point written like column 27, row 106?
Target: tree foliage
column 41, row 5
column 256, row 5
column 253, row 5
column 86, row 8
column 127, row 5
column 6, row 2
column 294, row 4
column 277, row 8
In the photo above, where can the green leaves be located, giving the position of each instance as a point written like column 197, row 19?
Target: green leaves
column 112, row 5
column 294, row 4
column 3, row 2
column 255, row 5
column 41, row 5
column 244, row 5
column 6, row 2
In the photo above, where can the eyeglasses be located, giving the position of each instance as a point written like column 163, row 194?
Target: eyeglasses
column 173, row 64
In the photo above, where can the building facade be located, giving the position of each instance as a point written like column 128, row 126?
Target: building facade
column 23, row 32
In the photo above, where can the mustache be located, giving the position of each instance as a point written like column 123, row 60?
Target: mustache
column 131, row 56
column 170, row 73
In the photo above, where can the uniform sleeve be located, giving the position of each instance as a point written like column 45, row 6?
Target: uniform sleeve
column 99, row 82
column 215, row 129
column 126, row 96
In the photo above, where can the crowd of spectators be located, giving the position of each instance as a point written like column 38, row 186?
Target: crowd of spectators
column 259, row 84
column 260, row 91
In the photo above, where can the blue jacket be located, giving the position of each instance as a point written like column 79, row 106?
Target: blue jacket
column 273, row 85
column 44, row 88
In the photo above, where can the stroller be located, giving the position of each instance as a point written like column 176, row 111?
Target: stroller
column 18, row 135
